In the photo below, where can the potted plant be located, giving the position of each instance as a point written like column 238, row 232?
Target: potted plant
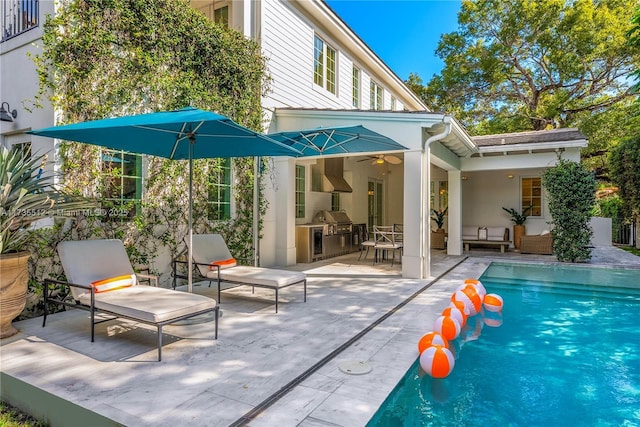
column 26, row 195
column 518, row 220
column 438, row 218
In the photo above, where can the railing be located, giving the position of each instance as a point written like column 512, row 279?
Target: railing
column 18, row 16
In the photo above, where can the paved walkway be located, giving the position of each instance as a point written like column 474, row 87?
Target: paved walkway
column 265, row 369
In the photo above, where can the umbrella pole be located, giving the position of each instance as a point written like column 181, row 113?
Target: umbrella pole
column 256, row 211
column 190, row 249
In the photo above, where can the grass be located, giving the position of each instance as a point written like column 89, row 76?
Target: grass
column 630, row 249
column 13, row 417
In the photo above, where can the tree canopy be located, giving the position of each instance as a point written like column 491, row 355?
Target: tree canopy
column 534, row 64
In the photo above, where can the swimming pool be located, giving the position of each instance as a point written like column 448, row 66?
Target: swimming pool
column 566, row 354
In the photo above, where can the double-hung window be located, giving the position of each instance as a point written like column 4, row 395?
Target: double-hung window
column 355, row 92
column 531, row 195
column 219, row 199
column 122, row 173
column 324, row 65
column 375, row 96
column 300, row 187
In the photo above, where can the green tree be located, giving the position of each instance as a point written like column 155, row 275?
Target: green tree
column 571, row 190
column 534, row 64
column 634, row 40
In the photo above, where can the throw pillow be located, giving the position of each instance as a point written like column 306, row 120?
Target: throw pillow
column 114, row 283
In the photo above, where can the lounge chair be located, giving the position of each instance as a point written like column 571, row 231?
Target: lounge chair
column 101, row 279
column 214, row 261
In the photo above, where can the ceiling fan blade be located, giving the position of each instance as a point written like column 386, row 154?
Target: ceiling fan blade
column 364, row 160
column 393, row 160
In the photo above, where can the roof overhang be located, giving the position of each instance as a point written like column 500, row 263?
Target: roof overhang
column 410, row 129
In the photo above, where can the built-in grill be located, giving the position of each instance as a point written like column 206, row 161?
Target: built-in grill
column 337, row 232
column 338, row 222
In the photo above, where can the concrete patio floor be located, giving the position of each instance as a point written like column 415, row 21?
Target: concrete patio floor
column 265, row 369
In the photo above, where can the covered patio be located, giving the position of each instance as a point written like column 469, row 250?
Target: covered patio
column 265, row 369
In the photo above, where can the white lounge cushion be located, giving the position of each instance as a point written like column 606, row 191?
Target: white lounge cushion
column 469, row 232
column 150, row 304
column 271, row 277
column 86, row 261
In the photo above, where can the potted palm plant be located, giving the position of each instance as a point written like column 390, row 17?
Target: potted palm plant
column 26, row 195
column 518, row 220
column 438, row 217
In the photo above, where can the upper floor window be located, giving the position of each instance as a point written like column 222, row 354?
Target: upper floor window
column 393, row 103
column 355, row 92
column 376, row 96
column 531, row 195
column 215, row 11
column 18, row 16
column 220, row 192
column 221, row 15
column 122, row 180
column 300, row 187
column 324, row 65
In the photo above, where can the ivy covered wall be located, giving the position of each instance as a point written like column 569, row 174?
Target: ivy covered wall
column 104, row 58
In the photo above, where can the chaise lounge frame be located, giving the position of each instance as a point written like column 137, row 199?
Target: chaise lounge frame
column 93, row 309
column 200, row 266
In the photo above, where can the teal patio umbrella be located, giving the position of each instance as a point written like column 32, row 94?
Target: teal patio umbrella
column 184, row 134
column 337, row 140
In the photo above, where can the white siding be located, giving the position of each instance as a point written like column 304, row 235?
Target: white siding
column 287, row 42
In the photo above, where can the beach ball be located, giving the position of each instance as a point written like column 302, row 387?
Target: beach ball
column 464, row 298
column 460, row 306
column 474, row 296
column 453, row 311
column 447, row 326
column 432, row 338
column 437, row 361
column 493, row 302
column 478, row 285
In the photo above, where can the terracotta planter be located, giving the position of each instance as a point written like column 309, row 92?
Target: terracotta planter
column 518, row 231
column 13, row 290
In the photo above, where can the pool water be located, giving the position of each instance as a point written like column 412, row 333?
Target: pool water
column 567, row 353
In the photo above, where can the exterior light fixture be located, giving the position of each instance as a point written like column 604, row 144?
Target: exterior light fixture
column 7, row 115
column 379, row 161
column 464, row 178
column 510, row 176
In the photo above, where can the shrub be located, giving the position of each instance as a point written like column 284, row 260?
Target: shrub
column 571, row 191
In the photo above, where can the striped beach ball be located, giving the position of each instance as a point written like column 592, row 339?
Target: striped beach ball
column 437, row 361
column 432, row 338
column 478, row 285
column 453, row 311
column 464, row 298
column 474, row 296
column 461, row 306
column 447, row 326
column 493, row 302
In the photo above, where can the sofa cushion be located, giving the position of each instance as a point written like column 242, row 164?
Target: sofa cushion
column 495, row 233
column 469, row 232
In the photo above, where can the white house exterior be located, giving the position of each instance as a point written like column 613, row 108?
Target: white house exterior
column 475, row 177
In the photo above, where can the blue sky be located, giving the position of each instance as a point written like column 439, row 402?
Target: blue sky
column 404, row 33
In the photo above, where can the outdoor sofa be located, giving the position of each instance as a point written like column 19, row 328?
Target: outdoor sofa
column 102, row 280
column 537, row 244
column 214, row 262
column 485, row 236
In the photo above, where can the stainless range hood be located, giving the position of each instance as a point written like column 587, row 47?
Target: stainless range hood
column 328, row 176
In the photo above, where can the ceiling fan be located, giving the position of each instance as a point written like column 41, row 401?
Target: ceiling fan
column 380, row 159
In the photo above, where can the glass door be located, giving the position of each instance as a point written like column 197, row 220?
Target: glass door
column 375, row 202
